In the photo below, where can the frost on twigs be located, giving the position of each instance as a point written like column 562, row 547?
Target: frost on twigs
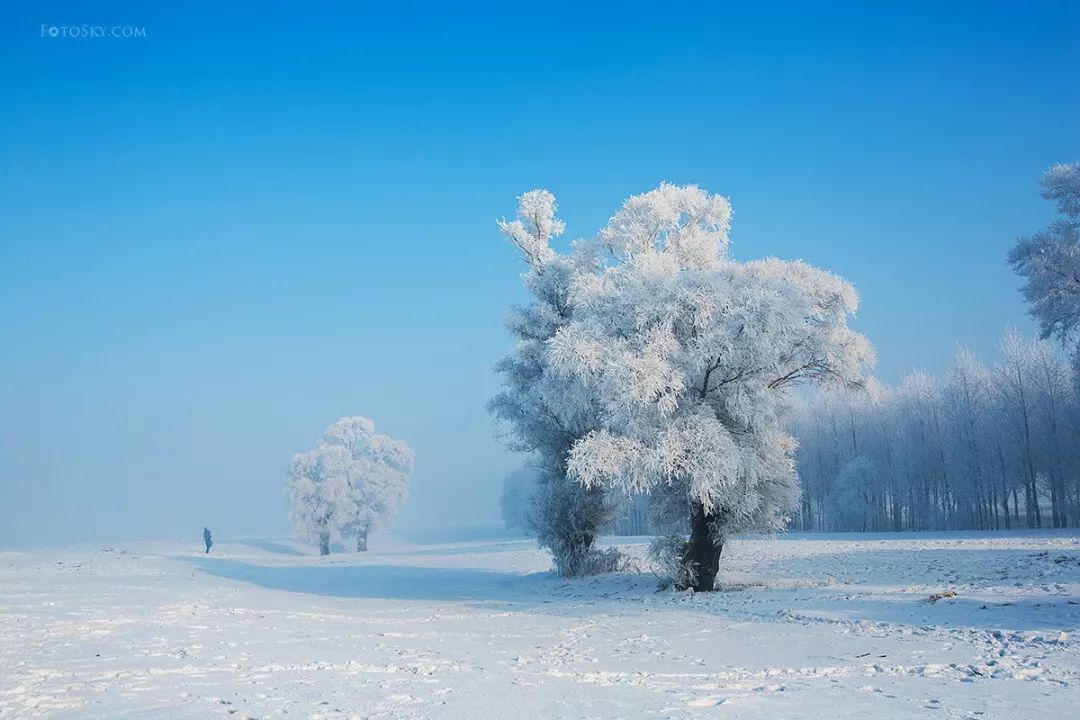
column 667, row 554
column 594, row 561
column 535, row 226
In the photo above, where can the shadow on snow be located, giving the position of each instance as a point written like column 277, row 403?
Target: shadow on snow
column 874, row 587
column 391, row 582
column 270, row 546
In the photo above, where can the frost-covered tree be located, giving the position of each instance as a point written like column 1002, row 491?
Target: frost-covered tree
column 689, row 356
column 379, row 473
column 321, row 501
column 1014, row 379
column 540, row 415
column 1053, row 400
column 1049, row 260
column 922, row 459
column 351, row 482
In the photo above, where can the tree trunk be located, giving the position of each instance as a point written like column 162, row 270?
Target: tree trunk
column 702, row 556
column 361, row 542
column 324, row 543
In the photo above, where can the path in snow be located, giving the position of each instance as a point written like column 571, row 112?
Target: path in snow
column 807, row 626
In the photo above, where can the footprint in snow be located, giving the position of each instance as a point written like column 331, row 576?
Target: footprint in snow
column 707, row 701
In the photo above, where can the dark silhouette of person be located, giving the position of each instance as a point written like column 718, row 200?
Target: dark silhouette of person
column 207, row 538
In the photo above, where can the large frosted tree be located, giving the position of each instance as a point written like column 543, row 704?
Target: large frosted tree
column 539, row 414
column 687, row 358
column 350, row 483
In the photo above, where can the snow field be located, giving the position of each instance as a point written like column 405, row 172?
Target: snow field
column 806, row 626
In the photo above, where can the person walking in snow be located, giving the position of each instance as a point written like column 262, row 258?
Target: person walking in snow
column 207, row 539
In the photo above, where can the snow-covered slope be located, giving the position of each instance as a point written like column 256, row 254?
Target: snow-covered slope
column 806, row 627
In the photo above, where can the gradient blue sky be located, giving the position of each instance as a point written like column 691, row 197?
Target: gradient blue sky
column 217, row 239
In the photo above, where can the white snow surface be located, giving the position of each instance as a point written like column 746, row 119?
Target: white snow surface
column 806, row 626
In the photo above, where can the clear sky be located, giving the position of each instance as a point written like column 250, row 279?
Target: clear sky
column 220, row 237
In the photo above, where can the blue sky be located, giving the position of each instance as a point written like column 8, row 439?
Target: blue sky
column 220, row 237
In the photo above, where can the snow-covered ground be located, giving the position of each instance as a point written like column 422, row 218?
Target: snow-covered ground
column 806, row 627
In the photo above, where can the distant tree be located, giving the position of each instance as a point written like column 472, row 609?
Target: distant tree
column 967, row 403
column 353, row 480
column 321, row 501
column 1049, row 260
column 516, row 500
column 207, row 539
column 921, row 452
column 690, row 357
column 1015, row 383
column 1054, row 405
column 852, row 495
column 378, row 474
column 634, row 516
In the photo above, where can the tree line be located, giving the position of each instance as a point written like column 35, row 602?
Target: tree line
column 980, row 448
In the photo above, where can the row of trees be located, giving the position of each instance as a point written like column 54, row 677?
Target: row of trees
column 650, row 361
column 353, row 480
column 980, row 448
